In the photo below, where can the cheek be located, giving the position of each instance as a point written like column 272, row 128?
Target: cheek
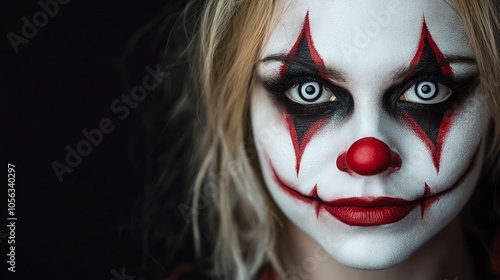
column 269, row 130
column 464, row 136
column 459, row 134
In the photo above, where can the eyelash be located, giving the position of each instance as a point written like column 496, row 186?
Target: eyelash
column 279, row 86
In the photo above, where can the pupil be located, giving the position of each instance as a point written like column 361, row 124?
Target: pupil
column 310, row 89
column 426, row 89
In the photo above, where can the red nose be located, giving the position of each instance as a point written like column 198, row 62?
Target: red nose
column 368, row 156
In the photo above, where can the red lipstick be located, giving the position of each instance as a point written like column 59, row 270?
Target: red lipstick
column 369, row 211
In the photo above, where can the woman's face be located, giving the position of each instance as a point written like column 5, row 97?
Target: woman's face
column 369, row 123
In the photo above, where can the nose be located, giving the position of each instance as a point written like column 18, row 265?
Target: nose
column 368, row 156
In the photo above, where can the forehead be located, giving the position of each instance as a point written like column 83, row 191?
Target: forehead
column 357, row 36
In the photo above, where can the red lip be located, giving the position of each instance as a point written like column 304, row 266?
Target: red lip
column 370, row 211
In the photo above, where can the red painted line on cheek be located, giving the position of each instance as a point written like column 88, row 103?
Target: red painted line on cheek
column 444, row 130
column 295, row 140
column 317, row 201
column 300, row 145
column 425, row 203
column 313, row 197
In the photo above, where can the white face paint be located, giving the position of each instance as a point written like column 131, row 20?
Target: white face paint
column 339, row 71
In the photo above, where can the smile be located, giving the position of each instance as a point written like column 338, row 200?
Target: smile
column 370, row 211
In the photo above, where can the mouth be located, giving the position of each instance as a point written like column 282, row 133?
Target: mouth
column 370, row 211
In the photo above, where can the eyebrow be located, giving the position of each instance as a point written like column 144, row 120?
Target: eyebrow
column 307, row 64
column 405, row 71
column 340, row 76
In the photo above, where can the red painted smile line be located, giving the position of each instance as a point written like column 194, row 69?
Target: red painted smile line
column 370, row 211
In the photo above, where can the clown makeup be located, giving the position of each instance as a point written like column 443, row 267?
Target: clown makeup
column 368, row 122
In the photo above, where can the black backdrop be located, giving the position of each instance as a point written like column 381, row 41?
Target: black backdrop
column 57, row 83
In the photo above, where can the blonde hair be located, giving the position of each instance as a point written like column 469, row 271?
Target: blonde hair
column 226, row 48
column 482, row 23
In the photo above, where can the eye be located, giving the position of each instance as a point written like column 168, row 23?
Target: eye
column 426, row 92
column 310, row 93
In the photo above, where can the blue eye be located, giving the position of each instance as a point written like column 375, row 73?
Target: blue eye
column 310, row 93
column 427, row 92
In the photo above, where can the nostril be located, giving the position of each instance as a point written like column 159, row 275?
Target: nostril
column 368, row 156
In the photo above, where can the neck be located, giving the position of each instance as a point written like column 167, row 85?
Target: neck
column 445, row 256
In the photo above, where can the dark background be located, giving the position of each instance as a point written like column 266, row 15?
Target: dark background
column 64, row 80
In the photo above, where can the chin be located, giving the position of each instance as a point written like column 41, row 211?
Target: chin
column 366, row 259
column 371, row 252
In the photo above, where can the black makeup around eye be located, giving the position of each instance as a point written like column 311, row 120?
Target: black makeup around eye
column 460, row 87
column 277, row 88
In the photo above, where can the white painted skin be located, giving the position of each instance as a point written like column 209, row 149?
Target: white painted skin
column 346, row 36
